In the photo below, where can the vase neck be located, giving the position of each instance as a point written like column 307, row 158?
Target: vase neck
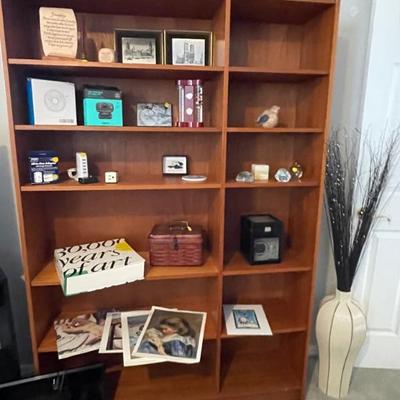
column 343, row 296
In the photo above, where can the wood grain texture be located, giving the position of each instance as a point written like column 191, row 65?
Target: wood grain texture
column 48, row 274
column 284, row 56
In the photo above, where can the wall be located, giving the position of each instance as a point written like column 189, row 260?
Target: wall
column 10, row 260
column 349, row 89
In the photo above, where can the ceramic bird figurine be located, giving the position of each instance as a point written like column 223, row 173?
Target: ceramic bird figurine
column 269, row 118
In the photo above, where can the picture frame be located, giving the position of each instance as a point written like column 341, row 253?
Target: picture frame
column 135, row 46
column 111, row 341
column 246, row 320
column 189, row 48
column 132, row 323
column 172, row 335
column 154, row 114
column 175, row 165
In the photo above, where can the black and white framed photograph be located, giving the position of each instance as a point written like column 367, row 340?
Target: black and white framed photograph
column 172, row 335
column 132, row 325
column 139, row 47
column 111, row 341
column 189, row 48
column 175, row 165
column 246, row 319
column 154, row 114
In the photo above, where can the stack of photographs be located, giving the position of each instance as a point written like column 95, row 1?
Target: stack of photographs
column 142, row 337
column 80, row 334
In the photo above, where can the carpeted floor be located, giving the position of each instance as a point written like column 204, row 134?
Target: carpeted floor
column 367, row 384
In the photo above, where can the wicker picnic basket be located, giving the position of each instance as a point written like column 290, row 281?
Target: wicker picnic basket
column 176, row 244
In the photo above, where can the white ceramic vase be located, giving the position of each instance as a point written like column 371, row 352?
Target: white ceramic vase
column 341, row 330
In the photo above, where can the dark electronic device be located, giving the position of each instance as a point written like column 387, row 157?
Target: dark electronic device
column 261, row 238
column 85, row 383
column 89, row 179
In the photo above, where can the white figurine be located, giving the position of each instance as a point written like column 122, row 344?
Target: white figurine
column 269, row 118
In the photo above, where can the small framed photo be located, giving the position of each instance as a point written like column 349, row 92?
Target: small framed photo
column 111, row 341
column 172, row 335
column 138, row 46
column 246, row 319
column 189, row 48
column 154, row 114
column 175, row 165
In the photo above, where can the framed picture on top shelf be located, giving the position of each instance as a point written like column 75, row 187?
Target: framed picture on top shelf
column 139, row 46
column 189, row 48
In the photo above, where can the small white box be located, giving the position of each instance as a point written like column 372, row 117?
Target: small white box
column 51, row 102
column 111, row 177
column 260, row 172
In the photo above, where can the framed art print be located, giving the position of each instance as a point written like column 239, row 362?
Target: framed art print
column 111, row 341
column 172, row 335
column 132, row 326
column 189, row 48
column 138, row 46
column 175, row 165
column 246, row 319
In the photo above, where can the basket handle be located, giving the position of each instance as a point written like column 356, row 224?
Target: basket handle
column 181, row 225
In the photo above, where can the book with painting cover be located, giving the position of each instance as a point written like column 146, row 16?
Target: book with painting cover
column 93, row 266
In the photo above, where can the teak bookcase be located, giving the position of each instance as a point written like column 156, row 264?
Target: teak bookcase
column 266, row 52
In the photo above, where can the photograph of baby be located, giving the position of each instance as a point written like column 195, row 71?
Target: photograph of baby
column 246, row 319
column 132, row 326
column 80, row 334
column 111, row 342
column 172, row 335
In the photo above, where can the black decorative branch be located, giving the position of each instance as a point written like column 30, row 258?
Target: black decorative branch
column 354, row 186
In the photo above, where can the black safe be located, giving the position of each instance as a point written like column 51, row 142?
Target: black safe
column 261, row 238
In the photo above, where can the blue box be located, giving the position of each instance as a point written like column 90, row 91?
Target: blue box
column 102, row 106
column 43, row 166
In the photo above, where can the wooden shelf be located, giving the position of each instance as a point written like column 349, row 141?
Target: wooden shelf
column 48, row 275
column 243, row 356
column 251, row 130
column 162, row 381
column 49, row 345
column 97, row 69
column 280, row 319
column 231, row 184
column 267, row 52
column 271, row 75
column 238, row 265
column 142, row 184
column 174, row 9
column 294, row 12
column 112, row 129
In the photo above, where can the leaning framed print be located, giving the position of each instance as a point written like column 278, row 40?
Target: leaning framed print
column 139, row 46
column 246, row 320
column 189, row 48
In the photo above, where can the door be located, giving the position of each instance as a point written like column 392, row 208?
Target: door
column 377, row 286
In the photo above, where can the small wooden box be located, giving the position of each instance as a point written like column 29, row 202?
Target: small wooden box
column 176, row 244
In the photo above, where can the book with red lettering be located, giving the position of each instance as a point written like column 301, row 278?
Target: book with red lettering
column 93, row 266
